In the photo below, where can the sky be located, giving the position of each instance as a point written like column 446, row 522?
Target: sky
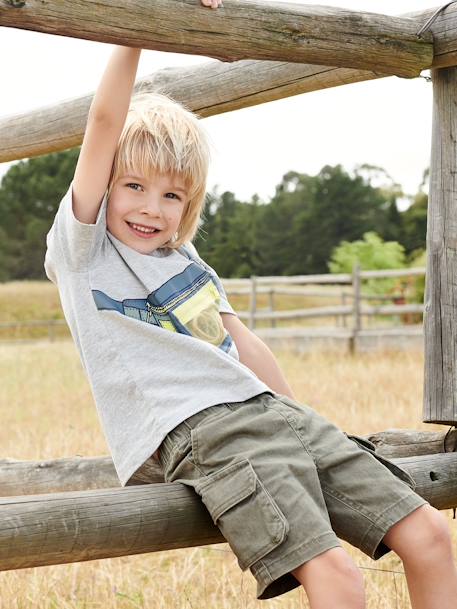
column 386, row 122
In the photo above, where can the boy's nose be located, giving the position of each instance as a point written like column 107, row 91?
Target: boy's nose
column 152, row 206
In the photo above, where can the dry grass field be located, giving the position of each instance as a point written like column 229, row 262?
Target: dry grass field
column 47, row 411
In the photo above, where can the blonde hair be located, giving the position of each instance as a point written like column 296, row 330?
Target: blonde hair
column 162, row 136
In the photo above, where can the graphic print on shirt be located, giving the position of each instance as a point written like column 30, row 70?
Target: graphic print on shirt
column 187, row 303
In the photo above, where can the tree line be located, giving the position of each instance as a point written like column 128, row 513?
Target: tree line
column 295, row 232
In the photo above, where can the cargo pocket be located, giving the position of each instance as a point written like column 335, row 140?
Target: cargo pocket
column 245, row 512
column 369, row 447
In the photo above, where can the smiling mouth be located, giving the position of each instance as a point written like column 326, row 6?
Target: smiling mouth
column 142, row 231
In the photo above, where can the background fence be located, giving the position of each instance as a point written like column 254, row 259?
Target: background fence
column 353, row 310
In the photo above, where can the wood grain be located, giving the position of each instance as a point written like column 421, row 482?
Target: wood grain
column 76, row 526
column 440, row 310
column 242, row 29
column 88, row 473
column 207, row 89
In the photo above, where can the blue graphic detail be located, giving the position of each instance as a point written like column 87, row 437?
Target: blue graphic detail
column 193, row 287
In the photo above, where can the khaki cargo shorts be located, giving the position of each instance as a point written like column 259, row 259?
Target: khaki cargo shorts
column 283, row 484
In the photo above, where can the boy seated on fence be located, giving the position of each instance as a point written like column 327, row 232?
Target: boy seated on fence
column 177, row 377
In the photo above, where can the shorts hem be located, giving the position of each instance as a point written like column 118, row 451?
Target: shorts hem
column 372, row 544
column 275, row 578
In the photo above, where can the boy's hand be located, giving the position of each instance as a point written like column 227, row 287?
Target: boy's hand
column 212, row 3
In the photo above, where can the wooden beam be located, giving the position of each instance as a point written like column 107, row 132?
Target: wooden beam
column 435, row 477
column 207, row 89
column 444, row 31
column 60, row 528
column 71, row 527
column 243, row 29
column 69, row 474
column 440, row 310
column 88, row 473
column 395, row 443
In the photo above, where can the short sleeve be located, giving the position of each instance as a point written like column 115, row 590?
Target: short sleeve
column 224, row 305
column 72, row 243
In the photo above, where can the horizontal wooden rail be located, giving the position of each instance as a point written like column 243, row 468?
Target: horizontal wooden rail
column 284, row 290
column 76, row 526
column 396, row 309
column 305, row 313
column 327, row 278
column 88, row 473
column 238, row 85
column 243, row 29
column 443, row 30
column 208, row 89
column 392, row 273
column 394, row 443
column 345, row 310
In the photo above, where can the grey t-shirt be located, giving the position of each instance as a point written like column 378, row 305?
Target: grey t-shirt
column 149, row 333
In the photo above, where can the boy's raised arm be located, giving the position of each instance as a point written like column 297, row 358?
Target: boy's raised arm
column 104, row 126
column 105, row 122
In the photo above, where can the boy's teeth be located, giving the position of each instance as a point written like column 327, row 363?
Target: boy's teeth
column 143, row 229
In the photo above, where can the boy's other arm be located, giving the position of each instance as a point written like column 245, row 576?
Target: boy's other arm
column 105, row 122
column 255, row 354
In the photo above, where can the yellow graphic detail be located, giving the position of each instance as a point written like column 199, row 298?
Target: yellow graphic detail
column 167, row 325
column 200, row 315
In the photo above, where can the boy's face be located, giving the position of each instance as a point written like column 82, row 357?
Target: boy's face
column 145, row 213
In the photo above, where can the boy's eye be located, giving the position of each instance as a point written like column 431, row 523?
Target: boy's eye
column 134, row 186
column 173, row 195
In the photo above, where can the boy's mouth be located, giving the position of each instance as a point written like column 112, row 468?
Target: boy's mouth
column 142, row 231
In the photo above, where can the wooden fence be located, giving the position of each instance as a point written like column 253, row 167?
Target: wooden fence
column 71, row 510
column 356, row 310
column 349, row 314
column 82, row 525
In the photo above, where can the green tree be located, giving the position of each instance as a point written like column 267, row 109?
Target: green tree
column 340, row 207
column 30, row 193
column 370, row 253
column 415, row 223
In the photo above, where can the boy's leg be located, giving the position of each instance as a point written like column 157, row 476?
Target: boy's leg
column 423, row 543
column 332, row 580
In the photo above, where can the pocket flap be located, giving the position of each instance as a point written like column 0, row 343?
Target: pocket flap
column 393, row 467
column 235, row 482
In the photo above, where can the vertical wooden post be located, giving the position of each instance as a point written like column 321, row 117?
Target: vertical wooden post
column 253, row 304
column 440, row 310
column 356, row 297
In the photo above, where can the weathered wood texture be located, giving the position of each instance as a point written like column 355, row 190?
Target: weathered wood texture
column 71, row 527
column 395, row 443
column 444, row 33
column 70, row 474
column 243, row 29
column 440, row 314
column 88, row 473
column 207, row 89
column 435, row 477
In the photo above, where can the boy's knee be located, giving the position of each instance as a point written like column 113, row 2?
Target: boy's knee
column 435, row 533
column 335, row 564
column 421, row 535
column 332, row 579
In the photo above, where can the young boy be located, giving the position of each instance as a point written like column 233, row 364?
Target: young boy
column 171, row 365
